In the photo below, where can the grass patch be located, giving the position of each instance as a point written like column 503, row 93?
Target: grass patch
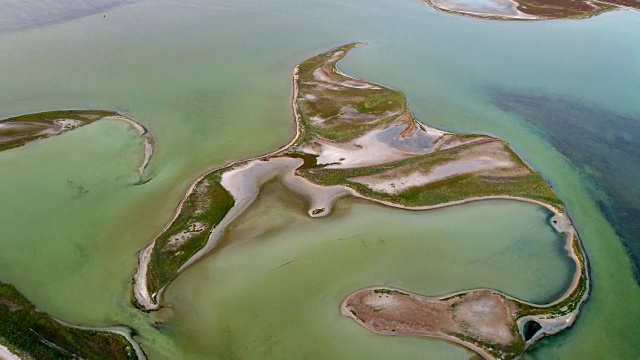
column 331, row 99
column 35, row 123
column 389, row 292
column 30, row 333
column 207, row 206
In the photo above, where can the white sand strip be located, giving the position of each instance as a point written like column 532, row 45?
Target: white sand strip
column 148, row 153
column 321, row 198
column 244, row 185
column 6, row 354
column 141, row 130
column 418, row 178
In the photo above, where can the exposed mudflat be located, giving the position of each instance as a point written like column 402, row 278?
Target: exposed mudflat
column 478, row 314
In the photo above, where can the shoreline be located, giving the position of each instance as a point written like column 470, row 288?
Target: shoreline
column 141, row 294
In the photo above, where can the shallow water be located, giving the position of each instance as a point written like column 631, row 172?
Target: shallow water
column 212, row 80
column 279, row 290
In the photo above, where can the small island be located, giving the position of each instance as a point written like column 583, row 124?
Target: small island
column 355, row 138
column 28, row 333
column 531, row 9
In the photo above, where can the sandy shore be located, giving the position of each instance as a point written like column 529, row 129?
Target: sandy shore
column 5, row 354
column 564, row 225
column 141, row 129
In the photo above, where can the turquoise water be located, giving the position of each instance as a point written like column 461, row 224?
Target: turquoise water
column 212, row 79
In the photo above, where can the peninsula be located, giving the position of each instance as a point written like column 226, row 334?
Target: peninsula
column 21, row 130
column 531, row 9
column 355, row 138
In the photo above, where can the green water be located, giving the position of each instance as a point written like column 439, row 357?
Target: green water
column 212, row 79
column 274, row 294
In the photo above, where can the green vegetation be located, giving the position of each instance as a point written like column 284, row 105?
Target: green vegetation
column 201, row 212
column 338, row 107
column 32, row 127
column 454, row 188
column 87, row 116
column 389, row 292
column 30, row 333
column 561, row 9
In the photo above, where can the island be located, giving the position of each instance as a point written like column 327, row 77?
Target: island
column 28, row 333
column 21, row 130
column 360, row 139
column 531, row 9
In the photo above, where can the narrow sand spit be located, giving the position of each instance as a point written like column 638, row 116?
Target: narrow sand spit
column 5, row 354
column 144, row 133
column 148, row 153
column 141, row 129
